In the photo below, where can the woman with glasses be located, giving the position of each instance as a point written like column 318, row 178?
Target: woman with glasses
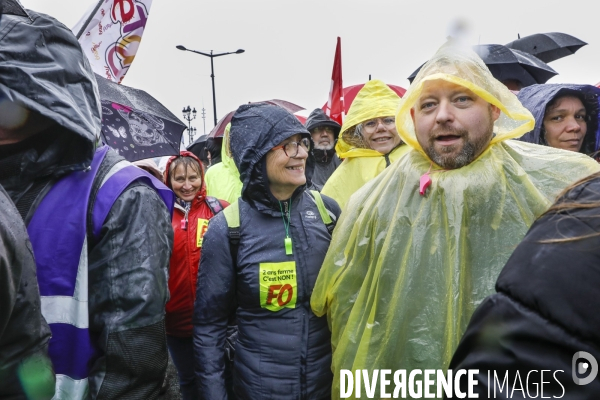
column 260, row 262
column 369, row 141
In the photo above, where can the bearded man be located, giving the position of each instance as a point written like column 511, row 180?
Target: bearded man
column 421, row 245
column 324, row 132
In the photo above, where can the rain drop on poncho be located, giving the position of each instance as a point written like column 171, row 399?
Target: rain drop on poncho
column 404, row 272
column 361, row 163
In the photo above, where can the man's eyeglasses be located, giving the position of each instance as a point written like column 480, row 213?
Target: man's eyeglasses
column 371, row 125
column 322, row 129
column 291, row 148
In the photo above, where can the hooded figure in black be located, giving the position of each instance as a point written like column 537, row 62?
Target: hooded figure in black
column 50, row 120
column 324, row 132
column 543, row 323
column 24, row 334
column 283, row 350
column 555, row 126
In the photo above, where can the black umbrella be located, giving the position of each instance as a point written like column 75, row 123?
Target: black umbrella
column 135, row 124
column 506, row 64
column 412, row 76
column 509, row 64
column 548, row 46
column 198, row 147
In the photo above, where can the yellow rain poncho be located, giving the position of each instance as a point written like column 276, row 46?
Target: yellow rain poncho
column 404, row 272
column 223, row 179
column 361, row 164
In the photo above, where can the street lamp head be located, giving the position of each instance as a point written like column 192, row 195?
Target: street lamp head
column 240, row 51
column 186, row 112
column 180, row 47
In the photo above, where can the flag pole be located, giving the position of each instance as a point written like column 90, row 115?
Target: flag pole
column 84, row 26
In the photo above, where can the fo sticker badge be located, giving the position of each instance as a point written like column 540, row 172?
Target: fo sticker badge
column 202, row 227
column 278, row 285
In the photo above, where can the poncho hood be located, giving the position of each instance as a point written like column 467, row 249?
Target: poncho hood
column 375, row 99
column 226, row 157
column 536, row 98
column 43, row 68
column 462, row 66
column 223, row 179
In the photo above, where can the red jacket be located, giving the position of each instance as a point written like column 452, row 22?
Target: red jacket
column 183, row 269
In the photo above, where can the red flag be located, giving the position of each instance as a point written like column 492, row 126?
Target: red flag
column 335, row 104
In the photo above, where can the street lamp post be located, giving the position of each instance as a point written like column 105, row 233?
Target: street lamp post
column 212, row 70
column 189, row 115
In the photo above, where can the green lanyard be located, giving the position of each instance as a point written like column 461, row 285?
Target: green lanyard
column 288, row 240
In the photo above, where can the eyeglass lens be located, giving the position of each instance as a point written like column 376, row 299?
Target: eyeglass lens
column 373, row 123
column 291, row 148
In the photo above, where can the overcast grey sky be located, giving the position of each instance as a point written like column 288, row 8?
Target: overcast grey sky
column 290, row 44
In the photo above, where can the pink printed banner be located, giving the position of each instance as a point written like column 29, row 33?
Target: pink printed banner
column 110, row 35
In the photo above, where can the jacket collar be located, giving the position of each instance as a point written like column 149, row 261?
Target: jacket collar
column 323, row 156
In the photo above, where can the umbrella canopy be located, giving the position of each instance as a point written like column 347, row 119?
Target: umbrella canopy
column 510, row 64
column 548, row 46
column 219, row 129
column 505, row 64
column 351, row 91
column 412, row 76
column 198, row 146
column 135, row 124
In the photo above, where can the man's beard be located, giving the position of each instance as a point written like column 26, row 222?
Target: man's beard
column 324, row 147
column 471, row 148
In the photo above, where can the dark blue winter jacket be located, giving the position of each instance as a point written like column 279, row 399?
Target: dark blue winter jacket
column 536, row 98
column 283, row 350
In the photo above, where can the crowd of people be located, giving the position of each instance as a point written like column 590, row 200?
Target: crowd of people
column 455, row 227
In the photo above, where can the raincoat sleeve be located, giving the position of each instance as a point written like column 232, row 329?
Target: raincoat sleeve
column 215, row 303
column 128, row 293
column 545, row 308
column 24, row 334
column 335, row 265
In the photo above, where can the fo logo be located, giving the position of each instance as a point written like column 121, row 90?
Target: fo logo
column 584, row 363
column 278, row 292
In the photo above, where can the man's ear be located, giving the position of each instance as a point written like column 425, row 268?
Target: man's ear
column 495, row 112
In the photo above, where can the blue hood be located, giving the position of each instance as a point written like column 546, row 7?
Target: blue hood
column 536, row 98
column 255, row 129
